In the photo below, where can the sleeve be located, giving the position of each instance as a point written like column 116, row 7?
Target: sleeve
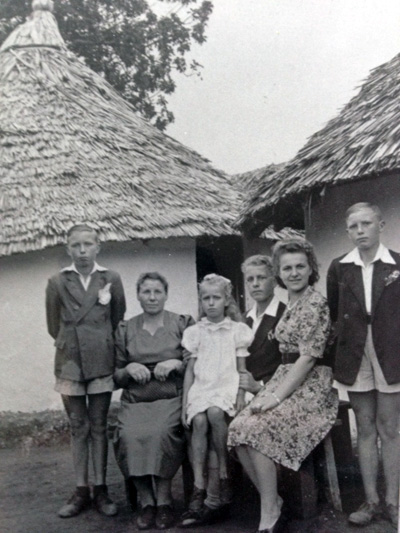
column 332, row 291
column 121, row 377
column 118, row 304
column 53, row 308
column 243, row 338
column 191, row 340
column 121, row 359
column 185, row 321
column 314, row 328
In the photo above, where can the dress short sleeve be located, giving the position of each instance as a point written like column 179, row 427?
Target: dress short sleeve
column 314, row 328
column 120, row 345
column 243, row 336
column 191, row 339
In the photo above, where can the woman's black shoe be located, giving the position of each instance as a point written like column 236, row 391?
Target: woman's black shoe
column 146, row 517
column 164, row 517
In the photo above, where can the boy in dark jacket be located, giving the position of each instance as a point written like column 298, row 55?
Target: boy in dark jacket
column 364, row 295
column 84, row 304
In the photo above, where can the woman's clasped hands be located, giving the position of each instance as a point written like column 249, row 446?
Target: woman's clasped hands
column 141, row 374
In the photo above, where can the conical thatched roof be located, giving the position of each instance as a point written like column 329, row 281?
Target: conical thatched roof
column 71, row 149
column 362, row 142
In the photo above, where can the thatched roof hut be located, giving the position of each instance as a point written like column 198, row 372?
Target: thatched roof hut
column 71, row 148
column 361, row 143
column 248, row 185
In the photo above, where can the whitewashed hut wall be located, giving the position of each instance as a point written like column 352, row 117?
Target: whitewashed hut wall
column 26, row 349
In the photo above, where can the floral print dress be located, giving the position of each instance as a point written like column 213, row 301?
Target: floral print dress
column 291, row 430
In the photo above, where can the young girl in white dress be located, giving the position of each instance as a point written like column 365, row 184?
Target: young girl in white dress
column 218, row 345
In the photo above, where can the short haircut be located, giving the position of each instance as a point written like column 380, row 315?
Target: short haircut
column 156, row 276
column 295, row 246
column 364, row 205
column 82, row 227
column 257, row 260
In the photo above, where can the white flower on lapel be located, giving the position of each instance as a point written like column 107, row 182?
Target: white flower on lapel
column 105, row 294
column 392, row 277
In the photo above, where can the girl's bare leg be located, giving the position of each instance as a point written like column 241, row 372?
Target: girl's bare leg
column 199, row 448
column 219, row 436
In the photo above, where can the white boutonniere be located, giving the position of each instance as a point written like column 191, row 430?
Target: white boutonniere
column 392, row 277
column 105, row 294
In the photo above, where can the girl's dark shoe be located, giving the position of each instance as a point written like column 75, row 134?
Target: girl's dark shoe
column 190, row 519
column 197, row 499
column 146, row 517
column 103, row 502
column 164, row 517
column 77, row 502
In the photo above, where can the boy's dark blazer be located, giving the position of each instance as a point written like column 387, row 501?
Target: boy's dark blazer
column 346, row 301
column 82, row 326
column 264, row 356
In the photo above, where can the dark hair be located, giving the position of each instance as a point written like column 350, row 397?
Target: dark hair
column 295, row 246
column 364, row 205
column 232, row 308
column 154, row 276
column 257, row 260
column 82, row 227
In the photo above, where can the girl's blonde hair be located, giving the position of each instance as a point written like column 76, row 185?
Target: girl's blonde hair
column 232, row 308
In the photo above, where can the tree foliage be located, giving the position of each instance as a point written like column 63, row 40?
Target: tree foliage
column 137, row 45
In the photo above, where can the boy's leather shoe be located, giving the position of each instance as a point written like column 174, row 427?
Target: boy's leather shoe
column 364, row 515
column 79, row 500
column 103, row 502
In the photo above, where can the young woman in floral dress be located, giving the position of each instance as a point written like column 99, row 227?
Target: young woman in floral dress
column 295, row 410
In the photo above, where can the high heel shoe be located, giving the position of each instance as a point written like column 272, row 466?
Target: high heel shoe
column 278, row 527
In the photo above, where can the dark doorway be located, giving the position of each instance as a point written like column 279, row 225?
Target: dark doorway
column 222, row 255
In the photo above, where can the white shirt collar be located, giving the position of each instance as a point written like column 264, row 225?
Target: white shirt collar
column 271, row 309
column 382, row 253
column 96, row 267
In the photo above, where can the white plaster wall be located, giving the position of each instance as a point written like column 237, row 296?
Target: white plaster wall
column 325, row 227
column 26, row 349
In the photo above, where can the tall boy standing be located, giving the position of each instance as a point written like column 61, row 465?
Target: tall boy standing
column 84, row 303
column 364, row 298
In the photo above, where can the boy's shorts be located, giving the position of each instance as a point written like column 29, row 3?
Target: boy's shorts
column 68, row 387
column 370, row 376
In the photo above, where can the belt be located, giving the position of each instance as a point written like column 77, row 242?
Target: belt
column 369, row 319
column 289, row 358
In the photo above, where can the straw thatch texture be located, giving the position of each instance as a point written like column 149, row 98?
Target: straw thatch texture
column 71, row 149
column 363, row 141
column 248, row 183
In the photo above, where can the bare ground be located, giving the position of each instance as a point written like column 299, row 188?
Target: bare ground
column 36, row 481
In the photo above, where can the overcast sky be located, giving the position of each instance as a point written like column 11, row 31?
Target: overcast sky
column 275, row 71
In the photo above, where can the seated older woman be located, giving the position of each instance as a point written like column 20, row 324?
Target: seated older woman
column 149, row 439
column 296, row 409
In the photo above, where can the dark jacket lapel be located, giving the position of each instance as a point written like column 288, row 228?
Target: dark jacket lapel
column 73, row 286
column 381, row 272
column 92, row 294
column 353, row 279
column 266, row 325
